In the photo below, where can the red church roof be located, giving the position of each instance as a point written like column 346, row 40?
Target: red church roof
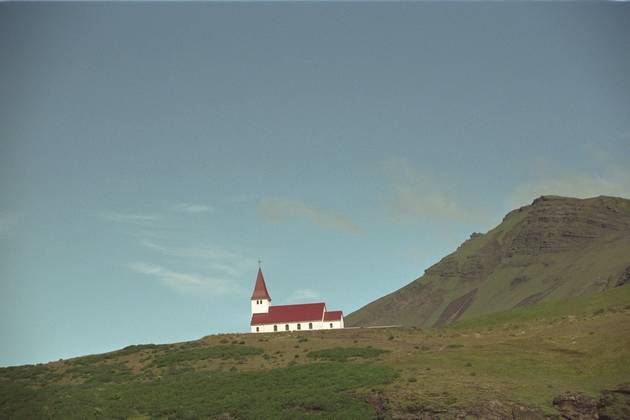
column 333, row 316
column 260, row 290
column 290, row 313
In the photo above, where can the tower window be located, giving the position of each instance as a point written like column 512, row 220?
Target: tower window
column 299, row 326
column 331, row 325
column 286, row 327
column 275, row 328
column 310, row 325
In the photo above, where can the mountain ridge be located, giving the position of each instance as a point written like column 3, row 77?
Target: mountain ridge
column 554, row 248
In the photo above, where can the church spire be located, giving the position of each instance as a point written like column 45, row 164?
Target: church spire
column 260, row 289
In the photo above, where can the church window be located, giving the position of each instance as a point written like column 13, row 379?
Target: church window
column 286, row 327
column 331, row 325
column 257, row 329
column 275, row 328
column 299, row 326
column 310, row 325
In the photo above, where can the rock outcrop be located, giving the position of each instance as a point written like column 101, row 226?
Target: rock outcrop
column 575, row 405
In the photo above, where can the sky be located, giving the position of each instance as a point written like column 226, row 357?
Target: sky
column 151, row 153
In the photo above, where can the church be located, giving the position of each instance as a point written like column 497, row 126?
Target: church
column 302, row 317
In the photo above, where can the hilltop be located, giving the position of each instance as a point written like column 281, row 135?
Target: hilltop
column 568, row 357
column 555, row 248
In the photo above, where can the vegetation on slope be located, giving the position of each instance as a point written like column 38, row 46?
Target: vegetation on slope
column 521, row 360
column 312, row 390
column 583, row 307
column 202, row 353
column 554, row 248
column 343, row 354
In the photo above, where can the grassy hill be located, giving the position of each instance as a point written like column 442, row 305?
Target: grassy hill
column 565, row 356
column 554, row 248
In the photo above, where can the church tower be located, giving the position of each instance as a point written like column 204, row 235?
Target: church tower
column 260, row 298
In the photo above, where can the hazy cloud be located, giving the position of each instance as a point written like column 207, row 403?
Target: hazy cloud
column 132, row 218
column 192, row 208
column 277, row 210
column 186, row 282
column 6, row 223
column 422, row 194
column 303, row 295
column 215, row 259
column 244, row 198
column 614, row 181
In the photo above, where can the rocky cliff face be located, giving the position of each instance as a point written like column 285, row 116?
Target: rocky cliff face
column 556, row 224
column 555, row 248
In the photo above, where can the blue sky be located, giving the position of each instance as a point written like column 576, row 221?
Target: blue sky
column 151, row 153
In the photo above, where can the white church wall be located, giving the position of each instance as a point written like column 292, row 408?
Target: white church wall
column 293, row 326
column 260, row 306
column 333, row 324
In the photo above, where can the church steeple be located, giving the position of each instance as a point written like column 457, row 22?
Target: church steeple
column 260, row 289
column 260, row 297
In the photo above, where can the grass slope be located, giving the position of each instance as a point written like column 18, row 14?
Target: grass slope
column 526, row 356
column 305, row 391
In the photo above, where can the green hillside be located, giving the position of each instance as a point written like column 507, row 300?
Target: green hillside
column 559, row 357
column 554, row 248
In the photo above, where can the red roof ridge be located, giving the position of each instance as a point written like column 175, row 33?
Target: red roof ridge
column 333, row 315
column 300, row 304
column 301, row 312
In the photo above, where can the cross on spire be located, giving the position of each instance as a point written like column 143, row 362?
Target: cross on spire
column 259, row 262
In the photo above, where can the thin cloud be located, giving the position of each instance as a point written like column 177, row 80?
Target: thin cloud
column 192, row 208
column 613, row 181
column 208, row 252
column 244, row 198
column 278, row 210
column 421, row 194
column 214, row 259
column 132, row 218
column 186, row 282
column 7, row 223
column 303, row 295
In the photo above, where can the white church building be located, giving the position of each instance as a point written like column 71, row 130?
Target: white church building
column 302, row 317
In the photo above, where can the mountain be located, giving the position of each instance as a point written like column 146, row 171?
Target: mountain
column 554, row 248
